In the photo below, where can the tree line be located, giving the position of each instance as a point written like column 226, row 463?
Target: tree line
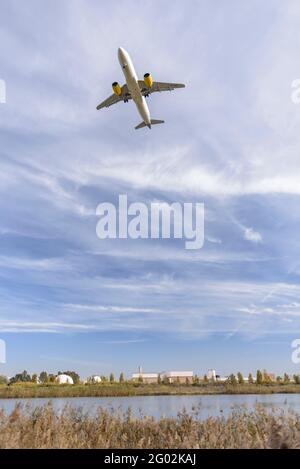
column 262, row 377
column 45, row 378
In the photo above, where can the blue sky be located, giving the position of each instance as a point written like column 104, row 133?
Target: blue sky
column 231, row 140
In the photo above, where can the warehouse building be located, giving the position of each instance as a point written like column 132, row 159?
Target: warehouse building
column 148, row 378
column 182, row 377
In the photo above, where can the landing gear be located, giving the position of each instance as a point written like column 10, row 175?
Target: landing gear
column 145, row 92
column 126, row 97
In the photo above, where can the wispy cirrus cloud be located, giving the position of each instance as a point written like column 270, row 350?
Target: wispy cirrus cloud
column 231, row 141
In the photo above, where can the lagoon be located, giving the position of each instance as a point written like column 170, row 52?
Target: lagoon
column 167, row 406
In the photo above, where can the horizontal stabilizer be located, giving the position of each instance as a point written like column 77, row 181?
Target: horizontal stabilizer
column 153, row 122
column 140, row 126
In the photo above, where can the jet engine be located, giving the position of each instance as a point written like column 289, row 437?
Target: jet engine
column 117, row 88
column 148, row 80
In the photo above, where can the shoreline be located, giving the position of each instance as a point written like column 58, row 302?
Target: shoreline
column 30, row 390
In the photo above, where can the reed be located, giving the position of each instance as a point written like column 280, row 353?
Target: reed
column 72, row 428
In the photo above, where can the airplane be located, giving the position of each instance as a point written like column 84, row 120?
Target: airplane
column 137, row 90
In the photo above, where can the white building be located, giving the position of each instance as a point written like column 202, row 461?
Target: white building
column 166, row 376
column 177, row 376
column 222, row 379
column 145, row 377
column 95, row 379
column 64, row 379
column 211, row 374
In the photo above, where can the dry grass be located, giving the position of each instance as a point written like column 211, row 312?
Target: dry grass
column 28, row 390
column 71, row 428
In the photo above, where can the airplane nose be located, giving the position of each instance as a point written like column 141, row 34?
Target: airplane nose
column 122, row 55
column 121, row 52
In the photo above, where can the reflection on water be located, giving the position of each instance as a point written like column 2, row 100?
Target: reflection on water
column 168, row 406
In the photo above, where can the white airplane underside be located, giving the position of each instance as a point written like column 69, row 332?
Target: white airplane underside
column 136, row 90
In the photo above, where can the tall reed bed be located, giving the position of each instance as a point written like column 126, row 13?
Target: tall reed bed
column 72, row 428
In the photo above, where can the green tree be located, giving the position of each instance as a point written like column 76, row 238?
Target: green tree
column 159, row 379
column 266, row 377
column 34, row 378
column 250, row 379
column 43, row 377
column 3, row 379
column 259, row 377
column 75, row 376
column 121, row 379
column 196, row 379
column 240, row 378
column 286, row 378
column 23, row 377
column 278, row 379
column 52, row 378
column 296, row 379
column 111, row 378
column 103, row 379
column 205, row 379
column 166, row 380
column 232, row 380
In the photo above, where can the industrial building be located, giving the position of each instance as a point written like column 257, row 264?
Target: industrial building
column 211, row 375
column 148, row 378
column 183, row 377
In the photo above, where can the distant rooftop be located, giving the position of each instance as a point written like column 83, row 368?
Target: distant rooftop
column 178, row 374
column 144, row 375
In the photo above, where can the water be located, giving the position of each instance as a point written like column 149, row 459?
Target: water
column 168, row 406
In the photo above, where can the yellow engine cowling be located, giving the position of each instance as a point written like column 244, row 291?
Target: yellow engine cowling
column 148, row 80
column 117, row 88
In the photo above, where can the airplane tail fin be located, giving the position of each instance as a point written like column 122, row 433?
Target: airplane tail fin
column 153, row 122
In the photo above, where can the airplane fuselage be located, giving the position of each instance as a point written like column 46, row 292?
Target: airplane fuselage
column 133, row 86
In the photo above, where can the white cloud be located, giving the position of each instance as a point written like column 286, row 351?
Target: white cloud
column 28, row 264
column 42, row 327
column 210, row 239
column 112, row 309
column 253, row 236
column 238, row 137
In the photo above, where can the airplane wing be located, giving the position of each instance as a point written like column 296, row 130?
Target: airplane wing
column 114, row 99
column 159, row 87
